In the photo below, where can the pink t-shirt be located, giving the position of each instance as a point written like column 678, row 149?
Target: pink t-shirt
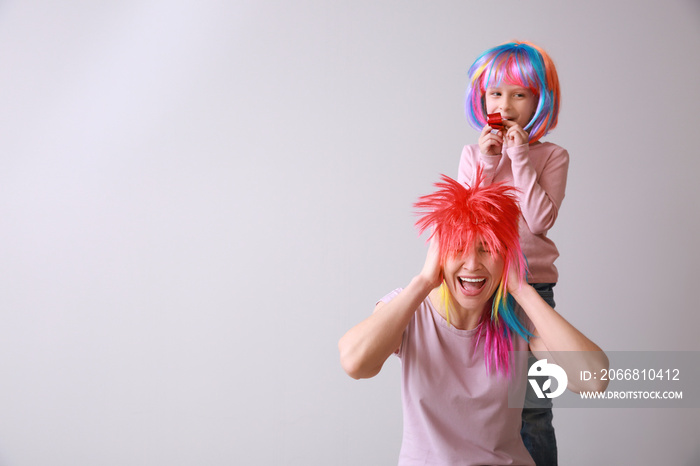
column 454, row 411
column 539, row 171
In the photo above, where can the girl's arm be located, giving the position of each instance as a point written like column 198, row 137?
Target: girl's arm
column 471, row 158
column 366, row 346
column 555, row 338
column 541, row 195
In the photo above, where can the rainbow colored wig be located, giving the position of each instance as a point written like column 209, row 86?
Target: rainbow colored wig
column 459, row 217
column 522, row 64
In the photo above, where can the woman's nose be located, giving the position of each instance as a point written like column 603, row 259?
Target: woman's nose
column 471, row 262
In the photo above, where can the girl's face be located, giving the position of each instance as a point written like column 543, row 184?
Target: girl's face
column 514, row 103
column 473, row 277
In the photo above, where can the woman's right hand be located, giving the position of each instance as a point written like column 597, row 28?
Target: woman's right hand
column 490, row 141
column 432, row 270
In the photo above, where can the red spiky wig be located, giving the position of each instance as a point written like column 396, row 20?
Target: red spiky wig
column 460, row 216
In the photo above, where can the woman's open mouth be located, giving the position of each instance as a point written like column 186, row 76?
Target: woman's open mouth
column 471, row 286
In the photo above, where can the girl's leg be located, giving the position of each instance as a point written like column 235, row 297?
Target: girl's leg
column 537, row 430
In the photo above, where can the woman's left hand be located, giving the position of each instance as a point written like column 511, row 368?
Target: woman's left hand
column 514, row 284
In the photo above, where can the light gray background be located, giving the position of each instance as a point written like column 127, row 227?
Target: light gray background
column 198, row 198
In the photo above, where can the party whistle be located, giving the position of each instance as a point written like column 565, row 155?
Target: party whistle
column 495, row 121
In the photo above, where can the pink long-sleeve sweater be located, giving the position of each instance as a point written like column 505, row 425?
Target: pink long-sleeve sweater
column 539, row 172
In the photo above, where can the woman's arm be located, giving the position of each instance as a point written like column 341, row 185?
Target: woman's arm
column 555, row 338
column 366, row 346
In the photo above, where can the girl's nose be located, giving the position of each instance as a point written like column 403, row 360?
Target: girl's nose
column 505, row 103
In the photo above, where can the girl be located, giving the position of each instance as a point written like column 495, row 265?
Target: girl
column 454, row 327
column 519, row 81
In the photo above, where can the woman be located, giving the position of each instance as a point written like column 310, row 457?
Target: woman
column 460, row 336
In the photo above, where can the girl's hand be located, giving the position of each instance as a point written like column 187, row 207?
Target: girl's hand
column 490, row 141
column 432, row 270
column 515, row 134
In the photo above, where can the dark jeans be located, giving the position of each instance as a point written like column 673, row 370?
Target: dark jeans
column 537, row 430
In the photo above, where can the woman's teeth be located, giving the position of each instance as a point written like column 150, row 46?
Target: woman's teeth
column 471, row 286
column 471, row 280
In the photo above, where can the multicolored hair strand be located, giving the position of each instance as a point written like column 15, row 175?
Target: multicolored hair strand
column 460, row 217
column 518, row 63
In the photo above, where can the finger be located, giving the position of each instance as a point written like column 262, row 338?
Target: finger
column 513, row 130
column 491, row 139
column 486, row 130
column 495, row 141
column 492, row 144
column 492, row 133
